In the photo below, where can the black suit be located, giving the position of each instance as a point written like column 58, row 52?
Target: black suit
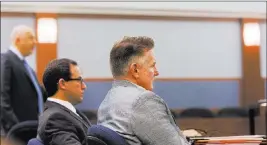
column 19, row 100
column 60, row 126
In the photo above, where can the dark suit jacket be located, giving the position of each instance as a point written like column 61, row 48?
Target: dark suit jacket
column 19, row 100
column 60, row 126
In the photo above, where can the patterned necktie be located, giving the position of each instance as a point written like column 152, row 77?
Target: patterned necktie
column 36, row 85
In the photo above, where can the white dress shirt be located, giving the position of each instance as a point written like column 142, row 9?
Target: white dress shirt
column 64, row 103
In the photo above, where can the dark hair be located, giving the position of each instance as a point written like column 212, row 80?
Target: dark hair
column 55, row 70
column 127, row 49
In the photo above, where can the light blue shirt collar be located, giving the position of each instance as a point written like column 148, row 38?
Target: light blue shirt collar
column 16, row 51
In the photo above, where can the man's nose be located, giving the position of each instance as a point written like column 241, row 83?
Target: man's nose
column 84, row 86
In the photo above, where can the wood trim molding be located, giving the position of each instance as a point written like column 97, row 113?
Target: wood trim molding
column 169, row 79
column 16, row 14
column 45, row 52
column 143, row 17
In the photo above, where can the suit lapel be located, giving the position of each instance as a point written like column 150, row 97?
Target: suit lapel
column 80, row 118
column 85, row 119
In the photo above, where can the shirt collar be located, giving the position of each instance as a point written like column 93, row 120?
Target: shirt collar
column 16, row 51
column 64, row 103
column 126, row 83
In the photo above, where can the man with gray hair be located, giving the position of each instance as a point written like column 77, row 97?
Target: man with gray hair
column 130, row 107
column 21, row 95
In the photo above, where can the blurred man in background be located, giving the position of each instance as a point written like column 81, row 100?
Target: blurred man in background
column 130, row 107
column 61, row 123
column 21, row 95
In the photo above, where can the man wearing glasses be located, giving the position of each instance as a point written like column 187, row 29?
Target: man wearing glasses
column 61, row 123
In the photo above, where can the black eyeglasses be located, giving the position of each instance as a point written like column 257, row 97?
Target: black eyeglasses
column 76, row 79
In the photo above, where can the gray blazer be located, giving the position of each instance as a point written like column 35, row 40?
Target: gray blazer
column 139, row 115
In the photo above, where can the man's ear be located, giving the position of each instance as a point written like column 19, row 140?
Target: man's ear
column 134, row 70
column 17, row 40
column 61, row 84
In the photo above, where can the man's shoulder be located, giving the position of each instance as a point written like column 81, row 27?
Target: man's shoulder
column 121, row 92
column 51, row 112
column 120, row 98
column 5, row 56
column 130, row 94
column 54, row 116
column 52, row 120
column 8, row 58
column 148, row 97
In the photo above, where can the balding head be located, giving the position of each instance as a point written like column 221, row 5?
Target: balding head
column 23, row 39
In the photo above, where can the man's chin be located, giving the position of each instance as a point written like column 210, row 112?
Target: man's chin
column 30, row 53
column 78, row 101
column 81, row 99
column 150, row 89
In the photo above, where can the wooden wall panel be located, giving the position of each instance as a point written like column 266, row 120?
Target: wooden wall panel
column 252, row 84
column 45, row 52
